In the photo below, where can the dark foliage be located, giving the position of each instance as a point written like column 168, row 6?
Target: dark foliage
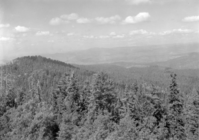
column 44, row 99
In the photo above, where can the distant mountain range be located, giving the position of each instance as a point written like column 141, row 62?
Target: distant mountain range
column 179, row 56
column 184, row 61
column 187, row 61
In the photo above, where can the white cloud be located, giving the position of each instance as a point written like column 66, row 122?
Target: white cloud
column 112, row 33
column 110, row 20
column 4, row 25
column 136, row 2
column 143, row 16
column 83, row 20
column 152, row 33
column 55, row 21
column 21, row 29
column 119, row 36
column 140, row 17
column 104, row 36
column 39, row 33
column 68, row 18
column 70, row 34
column 176, row 31
column 191, row 19
column 89, row 36
column 136, row 32
column 5, row 39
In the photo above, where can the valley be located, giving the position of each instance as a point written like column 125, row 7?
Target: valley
column 177, row 56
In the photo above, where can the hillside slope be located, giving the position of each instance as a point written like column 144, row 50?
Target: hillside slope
column 127, row 56
column 188, row 61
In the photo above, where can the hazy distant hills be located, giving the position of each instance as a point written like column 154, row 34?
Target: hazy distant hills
column 153, row 74
column 185, row 61
column 170, row 55
column 188, row 61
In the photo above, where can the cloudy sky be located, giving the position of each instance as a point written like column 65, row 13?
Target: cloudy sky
column 53, row 26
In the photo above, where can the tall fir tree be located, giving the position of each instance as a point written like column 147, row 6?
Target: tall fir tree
column 175, row 119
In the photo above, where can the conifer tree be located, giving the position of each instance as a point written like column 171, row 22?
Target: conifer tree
column 175, row 118
column 192, row 115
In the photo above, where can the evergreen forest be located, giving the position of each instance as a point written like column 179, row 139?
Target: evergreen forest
column 45, row 99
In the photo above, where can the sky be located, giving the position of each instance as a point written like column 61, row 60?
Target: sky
column 30, row 27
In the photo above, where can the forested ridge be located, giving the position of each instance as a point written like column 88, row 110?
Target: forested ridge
column 45, row 99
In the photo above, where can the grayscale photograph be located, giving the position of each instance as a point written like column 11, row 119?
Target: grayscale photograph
column 99, row 69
